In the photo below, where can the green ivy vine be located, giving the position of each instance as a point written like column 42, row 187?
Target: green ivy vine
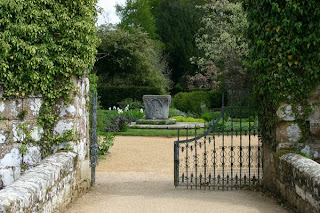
column 284, row 57
column 43, row 45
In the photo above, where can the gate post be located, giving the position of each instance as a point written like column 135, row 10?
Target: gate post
column 94, row 144
column 176, row 163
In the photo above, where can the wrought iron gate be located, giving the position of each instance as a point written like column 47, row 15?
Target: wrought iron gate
column 228, row 155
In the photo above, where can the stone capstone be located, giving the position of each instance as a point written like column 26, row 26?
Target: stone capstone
column 299, row 182
column 157, row 106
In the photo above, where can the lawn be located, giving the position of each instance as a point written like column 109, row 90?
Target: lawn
column 155, row 132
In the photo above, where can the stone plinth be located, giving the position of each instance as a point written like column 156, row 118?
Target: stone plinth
column 157, row 106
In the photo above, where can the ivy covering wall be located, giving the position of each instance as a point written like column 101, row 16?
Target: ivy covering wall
column 284, row 40
column 43, row 45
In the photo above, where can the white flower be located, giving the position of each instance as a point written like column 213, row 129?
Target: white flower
column 114, row 107
column 141, row 110
column 120, row 111
column 109, row 108
column 127, row 108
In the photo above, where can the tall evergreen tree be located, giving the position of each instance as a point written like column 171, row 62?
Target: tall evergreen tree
column 177, row 23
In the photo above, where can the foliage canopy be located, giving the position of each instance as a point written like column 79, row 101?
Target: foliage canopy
column 284, row 40
column 137, row 13
column 222, row 39
column 131, row 58
column 43, row 44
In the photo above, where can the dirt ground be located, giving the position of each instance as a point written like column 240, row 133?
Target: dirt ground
column 137, row 176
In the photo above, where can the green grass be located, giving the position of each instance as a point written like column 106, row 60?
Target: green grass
column 155, row 132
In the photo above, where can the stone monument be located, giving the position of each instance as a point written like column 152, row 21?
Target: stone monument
column 157, row 110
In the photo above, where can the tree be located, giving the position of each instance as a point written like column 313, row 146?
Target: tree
column 130, row 58
column 177, row 21
column 137, row 13
column 222, row 38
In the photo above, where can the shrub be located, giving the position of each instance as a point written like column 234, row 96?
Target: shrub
column 197, row 101
column 133, row 104
column 112, row 96
column 176, row 112
column 118, row 124
column 105, row 144
column 207, row 116
column 110, row 121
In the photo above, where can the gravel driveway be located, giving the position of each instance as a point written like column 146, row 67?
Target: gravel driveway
column 137, row 176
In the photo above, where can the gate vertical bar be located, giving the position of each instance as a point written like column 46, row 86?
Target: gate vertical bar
column 94, row 144
column 249, row 147
column 187, row 158
column 259, row 156
column 176, row 161
column 232, row 181
column 223, row 154
column 241, row 161
column 205, row 161
column 196, row 156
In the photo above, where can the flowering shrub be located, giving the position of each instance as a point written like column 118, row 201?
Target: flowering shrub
column 116, row 119
column 206, row 80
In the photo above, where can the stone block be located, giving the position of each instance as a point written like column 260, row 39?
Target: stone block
column 285, row 112
column 17, row 134
column 315, row 116
column 157, row 106
column 281, row 132
column 7, row 176
column 32, row 107
column 315, row 98
column 315, row 128
column 294, row 133
column 284, row 146
column 11, row 159
column 85, row 170
column 65, row 125
column 288, row 132
column 4, row 131
column 32, row 156
column 10, row 109
column 68, row 111
column 36, row 132
column 311, row 149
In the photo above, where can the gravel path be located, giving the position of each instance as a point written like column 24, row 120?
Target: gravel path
column 138, row 177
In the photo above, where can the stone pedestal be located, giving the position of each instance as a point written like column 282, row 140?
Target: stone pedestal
column 157, row 106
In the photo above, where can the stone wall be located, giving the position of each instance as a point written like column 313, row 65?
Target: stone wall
column 50, row 186
column 292, row 176
column 297, row 180
column 16, row 114
column 289, row 134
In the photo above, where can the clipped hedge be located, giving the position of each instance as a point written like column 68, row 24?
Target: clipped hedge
column 192, row 101
column 112, row 96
